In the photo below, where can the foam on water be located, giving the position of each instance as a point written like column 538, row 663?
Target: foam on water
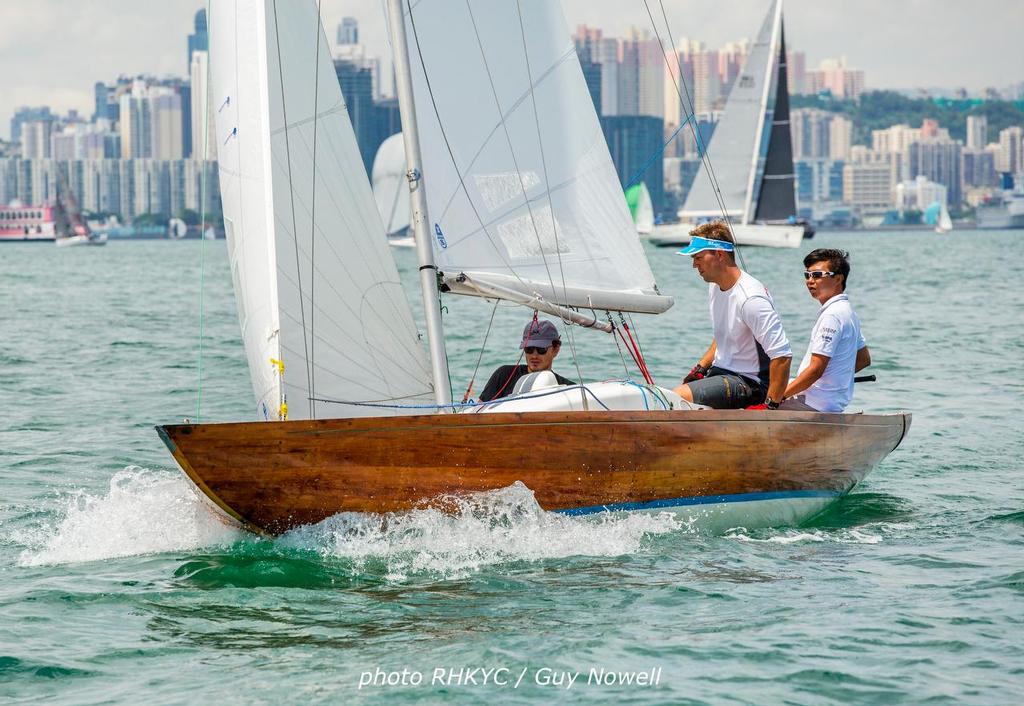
column 143, row 512
column 871, row 534
column 475, row 531
column 149, row 512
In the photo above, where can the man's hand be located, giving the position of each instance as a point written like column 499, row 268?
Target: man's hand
column 699, row 372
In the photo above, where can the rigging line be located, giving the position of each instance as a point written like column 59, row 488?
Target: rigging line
column 702, row 147
column 312, row 217
column 547, row 191
column 617, row 347
column 511, row 149
column 646, row 165
column 688, row 107
column 291, row 194
column 483, row 347
column 451, row 153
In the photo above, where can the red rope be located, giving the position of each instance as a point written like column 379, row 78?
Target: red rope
column 639, row 357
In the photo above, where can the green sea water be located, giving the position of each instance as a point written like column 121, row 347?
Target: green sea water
column 118, row 585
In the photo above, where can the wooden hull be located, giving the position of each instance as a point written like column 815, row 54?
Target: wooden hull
column 273, row 476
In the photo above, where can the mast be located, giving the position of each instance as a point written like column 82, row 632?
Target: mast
column 776, row 25
column 418, row 214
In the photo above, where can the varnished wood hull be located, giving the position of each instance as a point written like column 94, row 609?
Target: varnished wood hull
column 273, row 476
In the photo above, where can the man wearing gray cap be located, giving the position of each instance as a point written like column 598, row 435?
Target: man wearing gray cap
column 541, row 344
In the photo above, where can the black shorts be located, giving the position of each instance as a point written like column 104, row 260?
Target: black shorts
column 723, row 389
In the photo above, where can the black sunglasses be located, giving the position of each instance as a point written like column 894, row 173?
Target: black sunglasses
column 530, row 350
column 817, row 274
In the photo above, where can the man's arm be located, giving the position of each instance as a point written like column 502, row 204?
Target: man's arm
column 809, row 376
column 863, row 359
column 708, row 358
column 778, row 376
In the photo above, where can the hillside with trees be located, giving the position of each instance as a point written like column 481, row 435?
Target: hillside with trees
column 878, row 110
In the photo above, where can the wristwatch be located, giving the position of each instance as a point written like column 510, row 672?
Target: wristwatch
column 770, row 403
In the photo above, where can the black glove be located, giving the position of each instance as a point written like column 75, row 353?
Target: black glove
column 699, row 372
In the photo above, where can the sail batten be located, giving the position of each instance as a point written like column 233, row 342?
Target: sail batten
column 519, row 181
column 316, row 286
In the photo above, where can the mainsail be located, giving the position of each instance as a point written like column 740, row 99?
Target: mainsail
column 315, row 283
column 748, row 147
column 522, row 192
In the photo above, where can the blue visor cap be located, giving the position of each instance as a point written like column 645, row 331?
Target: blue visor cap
column 698, row 244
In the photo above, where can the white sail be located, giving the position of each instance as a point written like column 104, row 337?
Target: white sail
column 314, row 281
column 390, row 188
column 739, row 145
column 521, row 189
column 944, row 224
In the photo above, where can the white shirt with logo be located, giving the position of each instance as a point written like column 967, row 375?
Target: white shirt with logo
column 742, row 317
column 836, row 334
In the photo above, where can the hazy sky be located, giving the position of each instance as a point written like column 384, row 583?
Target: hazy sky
column 53, row 51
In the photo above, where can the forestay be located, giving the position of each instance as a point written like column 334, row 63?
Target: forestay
column 739, row 144
column 320, row 293
column 521, row 190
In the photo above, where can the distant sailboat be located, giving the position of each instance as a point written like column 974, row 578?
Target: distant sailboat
column 944, row 224
column 638, row 198
column 751, row 151
column 391, row 191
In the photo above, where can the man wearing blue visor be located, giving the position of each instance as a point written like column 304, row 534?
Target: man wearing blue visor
column 748, row 362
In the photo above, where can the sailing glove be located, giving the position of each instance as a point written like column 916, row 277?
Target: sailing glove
column 699, row 372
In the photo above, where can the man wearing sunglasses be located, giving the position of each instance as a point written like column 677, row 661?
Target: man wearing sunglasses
column 540, row 345
column 837, row 349
column 749, row 358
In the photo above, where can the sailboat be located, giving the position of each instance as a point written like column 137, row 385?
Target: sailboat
column 71, row 229
column 513, row 197
column 944, row 223
column 392, row 192
column 641, row 208
column 753, row 175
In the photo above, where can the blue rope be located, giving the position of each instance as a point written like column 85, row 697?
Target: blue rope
column 635, row 179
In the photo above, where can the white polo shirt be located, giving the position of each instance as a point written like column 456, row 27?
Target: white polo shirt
column 836, row 333
column 743, row 316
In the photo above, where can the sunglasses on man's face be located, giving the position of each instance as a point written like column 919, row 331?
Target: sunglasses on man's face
column 817, row 274
column 530, row 350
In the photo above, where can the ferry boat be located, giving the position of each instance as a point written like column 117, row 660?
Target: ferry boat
column 28, row 223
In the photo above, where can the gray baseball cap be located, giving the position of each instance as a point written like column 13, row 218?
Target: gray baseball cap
column 540, row 333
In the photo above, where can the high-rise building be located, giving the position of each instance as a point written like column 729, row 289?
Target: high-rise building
column 731, row 58
column 834, row 76
column 979, row 168
column 707, row 84
column 35, row 139
column 167, row 124
column 840, row 137
column 356, row 83
column 868, row 187
column 938, row 159
column 650, row 76
column 628, row 89
column 199, row 40
column 1010, row 157
column 348, row 31
column 810, row 129
column 632, row 140
column 977, row 132
column 24, row 115
column 796, row 72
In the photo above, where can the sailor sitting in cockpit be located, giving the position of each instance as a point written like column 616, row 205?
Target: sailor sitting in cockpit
column 541, row 344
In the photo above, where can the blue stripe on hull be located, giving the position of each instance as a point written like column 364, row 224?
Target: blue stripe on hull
column 701, row 500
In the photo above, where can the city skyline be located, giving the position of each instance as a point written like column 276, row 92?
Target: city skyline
column 936, row 55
